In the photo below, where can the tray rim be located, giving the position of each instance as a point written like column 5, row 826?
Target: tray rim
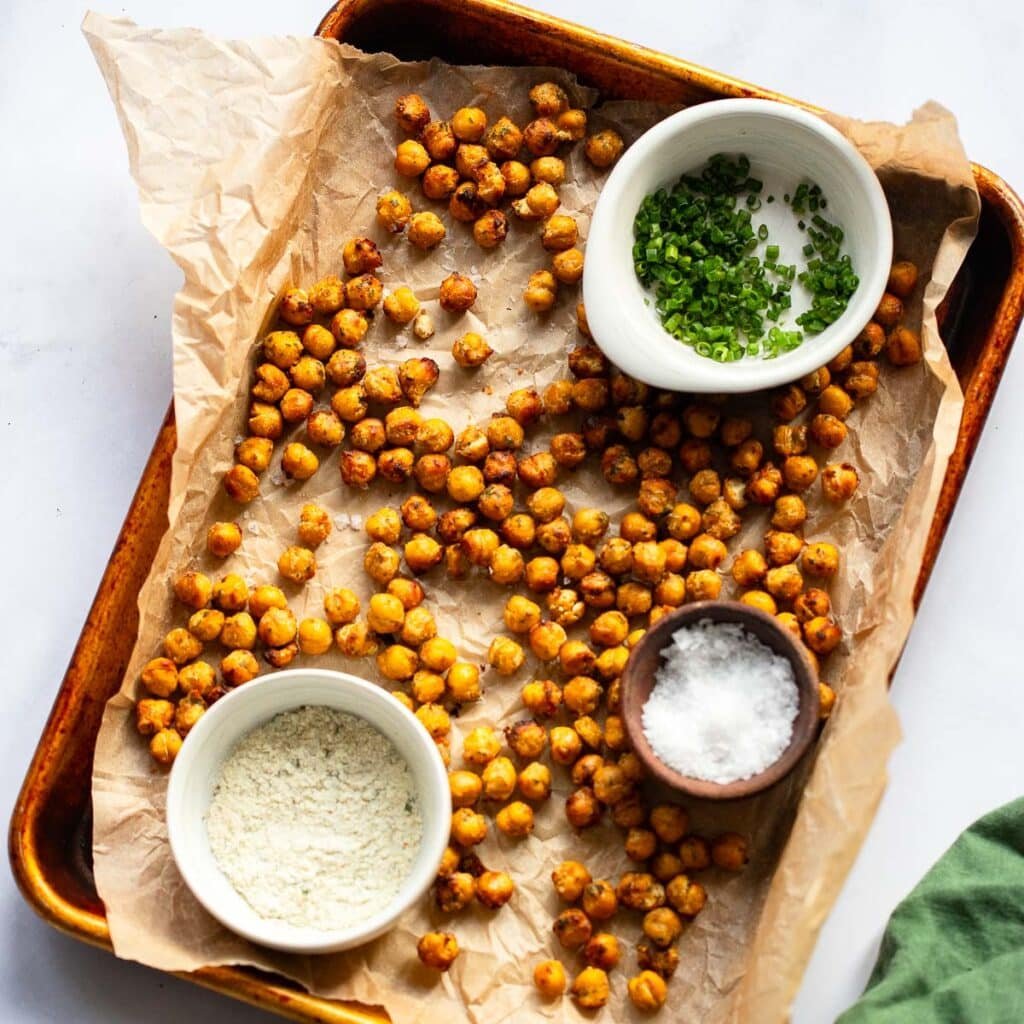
column 261, row 990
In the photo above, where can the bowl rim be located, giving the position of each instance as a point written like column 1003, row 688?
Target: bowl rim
column 617, row 321
column 804, row 725
column 204, row 733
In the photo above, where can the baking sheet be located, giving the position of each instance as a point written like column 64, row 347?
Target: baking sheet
column 294, row 143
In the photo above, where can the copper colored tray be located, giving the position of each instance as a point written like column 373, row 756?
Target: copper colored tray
column 50, row 834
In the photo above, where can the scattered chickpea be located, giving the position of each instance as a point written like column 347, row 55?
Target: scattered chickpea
column 647, row 991
column 393, row 211
column 572, row 928
column 549, row 978
column 541, row 291
column 603, row 148
column 515, row 819
column 730, row 851
column 438, row 950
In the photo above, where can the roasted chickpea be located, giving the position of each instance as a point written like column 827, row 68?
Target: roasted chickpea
column 164, row 746
column 457, row 293
column 764, row 485
column 355, row 640
column 541, row 291
column 662, row 962
column 820, row 560
column 254, row 454
column 411, row 113
column 567, row 266
column 789, row 402
column 515, row 819
column 549, row 978
column 647, row 991
column 505, row 656
column 308, row 374
column 295, row 307
column 822, row 635
column 549, row 99
column 610, row 664
column 325, row 428
column 282, row 349
column 826, row 700
column 469, row 828
column 206, row 624
column 494, row 889
column 640, row 891
column 507, row 565
column 542, row 136
column 749, row 568
column 827, row 430
column 296, row 405
column 535, row 781
column 582, row 808
column 231, row 593
column 782, row 547
column 834, row 401
column 239, row 667
column 566, row 745
column 527, row 739
column 419, row 627
column 314, row 636
column 438, row 950
column 411, row 158
column 160, row 675
column 469, row 124
column 393, row 212
column 265, row 421
column 603, row 148
column 784, row 582
column 538, row 470
column 297, row 564
column 153, row 715
column 686, row 897
column 399, row 663
column 889, row 311
column 194, row 589
column 270, row 384
column 839, row 481
column 455, row 891
column 479, row 546
column 572, row 928
column 903, row 347
column 299, row 462
column 730, row 851
column 573, row 124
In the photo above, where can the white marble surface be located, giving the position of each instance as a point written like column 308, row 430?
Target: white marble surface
column 85, row 377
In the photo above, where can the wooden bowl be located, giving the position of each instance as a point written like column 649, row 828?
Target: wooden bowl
column 645, row 659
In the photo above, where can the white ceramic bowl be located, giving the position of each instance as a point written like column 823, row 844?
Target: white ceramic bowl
column 786, row 146
column 197, row 768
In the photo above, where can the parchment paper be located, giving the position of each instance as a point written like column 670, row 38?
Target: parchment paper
column 255, row 161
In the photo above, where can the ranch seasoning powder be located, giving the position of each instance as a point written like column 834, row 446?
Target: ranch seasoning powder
column 315, row 819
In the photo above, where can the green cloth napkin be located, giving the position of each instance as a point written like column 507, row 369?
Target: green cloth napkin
column 953, row 951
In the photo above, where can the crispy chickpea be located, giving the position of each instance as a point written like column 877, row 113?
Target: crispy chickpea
column 572, row 928
column 239, row 667
column 527, row 740
column 599, row 901
column 590, row 732
column 296, row 405
column 549, row 169
column 633, row 599
column 826, row 700
column 662, row 962
column 548, row 99
column 160, row 675
column 411, row 158
column 790, row 622
column 730, row 851
column 761, row 600
column 418, row 627
column 469, row 124
column 194, row 589
column 393, row 212
column 839, row 481
column 164, row 746
column 784, row 582
column 535, row 781
column 790, row 512
column 297, row 564
column 610, row 784
column 546, row 639
column 703, row 585
column 270, row 384
column 655, row 462
column 541, row 291
column 426, row 231
column 422, row 553
column 683, row 523
column 695, row 455
column 542, row 136
column 820, row 560
column 465, row 788
column 230, row 593
column 694, row 854
column 603, row 148
column 610, row 664
column 649, row 560
column 662, row 926
column 567, row 266
column 239, row 632
column 385, row 614
column 399, row 663
column 295, row 307
column 409, row 592
column 640, row 891
column 324, row 427
column 812, row 604
column 665, row 866
column 494, row 889
column 822, row 635
column 412, row 113
column 549, row 978
column 782, row 547
column 903, row 347
column 685, row 897
column 341, row 606
column 277, row 627
column 764, row 485
column 180, row 646
column 789, row 402
column 355, row 640
column 669, row 822
column 861, row 379
column 707, row 552
column 749, row 568
column 515, row 819
column 463, row 681
column 364, row 292
column 469, row 828
column 314, row 636
column 889, row 311
column 466, row 204
column 490, row 230
column 265, row 421
column 481, row 745
column 479, row 545
column 222, row 539
column 428, row 688
column 542, row 697
column 153, row 715
column 566, row 745
column 582, row 808
column 705, row 486
column 538, row 470
column 799, row 472
column 282, row 349
column 505, row 656
column 869, row 342
column 609, row 629
column 437, row 950
column 457, row 293
column 454, row 891
column 720, row 520
column 570, row 878
column 573, row 124
column 902, row 278
column 827, row 430
column 438, row 182
column 254, row 455
column 308, row 374
column 647, row 991
column 591, row 395
column 834, row 401
column 206, row 624
column 299, row 462
column 499, row 779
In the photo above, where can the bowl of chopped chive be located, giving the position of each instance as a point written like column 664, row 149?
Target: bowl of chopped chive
column 737, row 245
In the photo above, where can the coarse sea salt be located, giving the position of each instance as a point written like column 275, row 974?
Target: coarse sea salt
column 723, row 703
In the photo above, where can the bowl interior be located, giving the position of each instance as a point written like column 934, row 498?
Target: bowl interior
column 786, row 146
column 197, row 769
column 645, row 660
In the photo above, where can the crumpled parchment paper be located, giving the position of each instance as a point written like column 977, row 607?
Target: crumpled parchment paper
column 255, row 161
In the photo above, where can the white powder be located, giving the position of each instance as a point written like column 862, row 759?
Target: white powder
column 315, row 819
column 723, row 703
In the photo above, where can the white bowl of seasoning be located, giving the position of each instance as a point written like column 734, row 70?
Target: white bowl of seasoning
column 786, row 147
column 308, row 810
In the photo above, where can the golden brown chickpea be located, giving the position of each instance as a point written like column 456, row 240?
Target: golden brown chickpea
column 749, row 568
column 669, row 822
column 567, row 266
column 438, row 182
column 222, row 539
column 549, row 169
column 426, row 230
column 784, row 582
column 789, row 402
column 572, row 928
column 761, row 600
column 839, row 481
column 649, row 562
column 861, row 379
column 393, row 212
column 489, row 231
column 903, row 347
column 662, row 926
column 472, row 444
column 822, row 635
column 615, row 556
column 694, row 854
column 573, row 124
column 314, row 636
column 386, row 613
column 557, row 400
column 479, row 546
column 465, row 788
column 707, row 552
column 812, row 604
column 821, row 560
column 469, row 828
column 610, row 664
column 361, row 255
column 454, row 891
column 790, row 622
column 826, row 700
column 549, row 978
column 703, row 585
column 206, row 624
column 437, row 950
column 730, row 852
column 591, row 395
column 889, row 311
column 469, row 124
column 641, row 844
column 254, row 454
column 355, row 640
column 381, row 384
column 549, row 99
column 505, row 656
column 705, row 486
column 610, row 784
column 765, row 484
column 308, row 374
column 695, row 455
column 466, row 204
column 282, row 349
column 348, row 328
column 599, row 901
column 153, row 715
column 515, row 819
column 582, row 808
column 782, row 547
column 603, row 148
column 296, row 405
column 364, row 292
column 239, row 632
column 526, row 739
column 640, row 891
column 324, row 427
column 277, row 627
column 869, row 342
column 230, row 593
column 655, row 462
column 428, row 688
column 633, row 599
column 270, row 384
column 541, row 291
column 419, row 627
column 299, row 462
column 265, row 421
column 422, row 553
column 411, row 113
column 609, row 629
column 457, row 293
column 542, row 137
column 827, row 430
column 494, row 889
column 902, row 278
column 239, row 667
column 164, row 746
column 566, row 745
column 834, row 401
column 647, row 991
column 686, row 897
column 400, row 663
column 411, row 158
column 665, row 866
column 662, row 962
column 160, row 676
column 194, row 589
column 538, row 470
column 396, row 464
column 297, row 564
column 295, row 307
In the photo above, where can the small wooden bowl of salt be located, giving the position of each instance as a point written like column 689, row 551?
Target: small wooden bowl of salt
column 719, row 700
